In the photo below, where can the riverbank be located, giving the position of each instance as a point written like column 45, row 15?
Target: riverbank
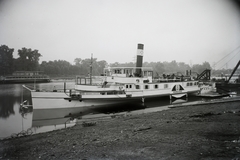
column 207, row 131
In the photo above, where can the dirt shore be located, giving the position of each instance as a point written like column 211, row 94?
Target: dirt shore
column 209, row 131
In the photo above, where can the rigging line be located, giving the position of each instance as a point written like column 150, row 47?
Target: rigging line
column 230, row 59
column 228, row 54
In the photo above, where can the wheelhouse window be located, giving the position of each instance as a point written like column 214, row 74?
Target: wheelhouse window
column 83, row 81
column 78, row 80
column 117, row 71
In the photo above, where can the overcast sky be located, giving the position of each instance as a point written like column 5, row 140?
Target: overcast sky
column 190, row 31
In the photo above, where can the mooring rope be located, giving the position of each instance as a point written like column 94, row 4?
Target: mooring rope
column 23, row 133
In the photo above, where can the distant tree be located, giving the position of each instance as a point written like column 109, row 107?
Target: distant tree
column 56, row 67
column 182, row 67
column 28, row 59
column 78, row 61
column 64, row 68
column 82, row 67
column 116, row 64
column 158, row 68
column 200, row 68
column 6, row 60
column 206, row 65
column 98, row 67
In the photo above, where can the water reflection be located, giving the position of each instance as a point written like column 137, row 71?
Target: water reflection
column 11, row 95
column 43, row 123
column 15, row 119
column 41, row 127
column 129, row 107
column 179, row 100
column 6, row 110
column 14, row 94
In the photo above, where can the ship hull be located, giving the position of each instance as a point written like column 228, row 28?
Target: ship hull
column 50, row 105
column 227, row 87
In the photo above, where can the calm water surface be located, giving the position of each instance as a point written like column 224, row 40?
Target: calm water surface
column 14, row 119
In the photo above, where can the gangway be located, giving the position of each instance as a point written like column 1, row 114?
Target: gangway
column 205, row 75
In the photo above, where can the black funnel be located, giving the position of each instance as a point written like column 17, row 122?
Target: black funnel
column 139, row 59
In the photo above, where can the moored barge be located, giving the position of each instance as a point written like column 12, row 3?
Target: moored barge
column 25, row 77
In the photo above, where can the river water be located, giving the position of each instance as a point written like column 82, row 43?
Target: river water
column 17, row 121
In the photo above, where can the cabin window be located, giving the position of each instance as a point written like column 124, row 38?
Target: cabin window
column 145, row 81
column 156, row 86
column 190, row 84
column 117, row 71
column 130, row 86
column 126, row 86
column 87, row 81
column 145, row 73
column 137, row 86
column 165, row 85
column 83, row 81
column 146, row 86
column 78, row 80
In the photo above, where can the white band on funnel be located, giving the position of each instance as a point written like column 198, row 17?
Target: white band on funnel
column 139, row 52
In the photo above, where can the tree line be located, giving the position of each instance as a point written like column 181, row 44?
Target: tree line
column 28, row 60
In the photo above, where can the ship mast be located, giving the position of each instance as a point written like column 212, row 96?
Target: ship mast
column 91, row 69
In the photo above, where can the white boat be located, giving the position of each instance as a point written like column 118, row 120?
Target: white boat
column 117, row 85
